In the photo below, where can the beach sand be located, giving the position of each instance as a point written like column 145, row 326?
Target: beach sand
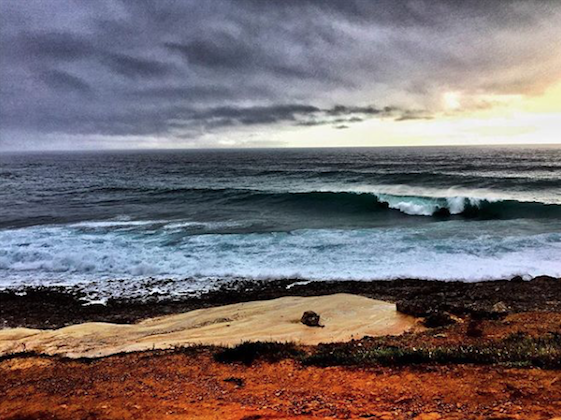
column 344, row 317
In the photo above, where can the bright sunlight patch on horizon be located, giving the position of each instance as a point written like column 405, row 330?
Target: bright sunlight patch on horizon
column 489, row 119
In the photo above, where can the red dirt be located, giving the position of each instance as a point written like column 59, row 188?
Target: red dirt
column 179, row 386
column 191, row 385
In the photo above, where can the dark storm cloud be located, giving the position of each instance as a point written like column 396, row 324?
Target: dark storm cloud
column 135, row 67
column 223, row 52
column 295, row 114
column 179, row 70
column 180, row 93
column 260, row 114
column 61, row 80
column 62, row 46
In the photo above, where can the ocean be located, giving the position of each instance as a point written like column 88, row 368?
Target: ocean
column 174, row 223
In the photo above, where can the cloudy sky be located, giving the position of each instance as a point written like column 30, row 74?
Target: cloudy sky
column 83, row 74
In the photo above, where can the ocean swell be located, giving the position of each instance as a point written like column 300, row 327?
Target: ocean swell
column 413, row 205
column 481, row 204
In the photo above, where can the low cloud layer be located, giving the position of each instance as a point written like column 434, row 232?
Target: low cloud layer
column 177, row 70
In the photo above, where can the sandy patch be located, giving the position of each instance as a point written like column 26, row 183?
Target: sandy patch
column 344, row 317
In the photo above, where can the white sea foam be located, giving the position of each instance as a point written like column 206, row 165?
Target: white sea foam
column 409, row 207
column 66, row 255
column 402, row 190
column 420, row 206
column 205, row 225
column 124, row 223
column 115, row 223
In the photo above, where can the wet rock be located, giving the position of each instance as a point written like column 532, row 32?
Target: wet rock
column 438, row 319
column 311, row 319
column 544, row 279
column 517, row 279
column 413, row 307
column 53, row 307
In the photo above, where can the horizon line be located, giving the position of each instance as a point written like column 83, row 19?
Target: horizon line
column 171, row 149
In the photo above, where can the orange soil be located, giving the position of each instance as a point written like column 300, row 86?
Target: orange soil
column 190, row 385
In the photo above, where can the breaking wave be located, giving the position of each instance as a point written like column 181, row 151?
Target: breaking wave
column 481, row 204
column 357, row 201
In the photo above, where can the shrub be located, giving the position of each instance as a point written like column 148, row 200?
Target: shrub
column 515, row 350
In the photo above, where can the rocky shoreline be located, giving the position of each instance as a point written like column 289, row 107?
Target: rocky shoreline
column 58, row 307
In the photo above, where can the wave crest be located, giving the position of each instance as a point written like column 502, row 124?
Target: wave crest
column 362, row 200
column 413, row 205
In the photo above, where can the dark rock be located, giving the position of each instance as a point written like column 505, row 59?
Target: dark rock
column 517, row 279
column 487, row 312
column 52, row 307
column 475, row 328
column 544, row 279
column 438, row 319
column 236, row 381
column 311, row 319
column 413, row 307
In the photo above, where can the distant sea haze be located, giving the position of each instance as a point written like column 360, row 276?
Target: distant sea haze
column 160, row 223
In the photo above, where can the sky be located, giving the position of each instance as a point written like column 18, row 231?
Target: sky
column 119, row 74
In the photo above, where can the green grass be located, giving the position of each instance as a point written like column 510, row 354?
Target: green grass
column 516, row 350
